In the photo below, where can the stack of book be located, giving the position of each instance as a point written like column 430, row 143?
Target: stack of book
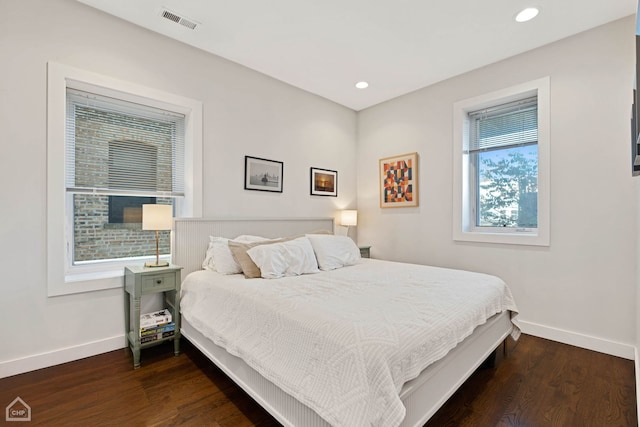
column 155, row 326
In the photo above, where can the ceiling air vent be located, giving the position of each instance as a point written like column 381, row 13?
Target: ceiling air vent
column 171, row 16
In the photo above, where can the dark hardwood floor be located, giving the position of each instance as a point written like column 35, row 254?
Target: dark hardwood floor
column 545, row 383
column 540, row 383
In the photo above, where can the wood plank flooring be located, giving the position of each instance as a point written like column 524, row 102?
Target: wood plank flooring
column 545, row 383
column 540, row 383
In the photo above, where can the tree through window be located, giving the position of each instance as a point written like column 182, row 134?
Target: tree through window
column 504, row 155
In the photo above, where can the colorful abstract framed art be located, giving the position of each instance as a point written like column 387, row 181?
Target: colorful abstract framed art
column 262, row 174
column 399, row 181
column 324, row 182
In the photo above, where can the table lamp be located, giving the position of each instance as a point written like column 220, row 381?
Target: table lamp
column 349, row 218
column 157, row 218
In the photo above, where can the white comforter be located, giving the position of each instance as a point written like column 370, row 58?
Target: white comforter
column 343, row 342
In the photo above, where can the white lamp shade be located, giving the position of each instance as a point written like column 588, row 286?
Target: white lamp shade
column 349, row 217
column 157, row 217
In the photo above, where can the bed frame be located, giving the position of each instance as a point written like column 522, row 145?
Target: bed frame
column 422, row 396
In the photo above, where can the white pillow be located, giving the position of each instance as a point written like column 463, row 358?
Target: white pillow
column 289, row 258
column 219, row 258
column 225, row 264
column 208, row 263
column 334, row 251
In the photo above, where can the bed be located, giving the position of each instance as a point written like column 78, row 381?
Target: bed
column 297, row 376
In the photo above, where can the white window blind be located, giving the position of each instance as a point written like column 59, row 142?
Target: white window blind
column 133, row 166
column 116, row 147
column 508, row 125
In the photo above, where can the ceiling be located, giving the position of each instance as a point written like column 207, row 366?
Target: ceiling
column 326, row 46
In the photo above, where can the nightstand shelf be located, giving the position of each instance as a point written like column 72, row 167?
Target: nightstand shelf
column 139, row 281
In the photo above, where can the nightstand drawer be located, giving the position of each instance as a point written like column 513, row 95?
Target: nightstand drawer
column 157, row 283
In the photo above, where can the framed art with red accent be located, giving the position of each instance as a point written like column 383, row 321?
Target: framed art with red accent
column 399, row 181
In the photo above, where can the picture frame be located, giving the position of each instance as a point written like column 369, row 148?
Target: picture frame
column 263, row 174
column 324, row 182
column 399, row 181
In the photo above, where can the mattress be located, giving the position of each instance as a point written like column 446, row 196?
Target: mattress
column 344, row 342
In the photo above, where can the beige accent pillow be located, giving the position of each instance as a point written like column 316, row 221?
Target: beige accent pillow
column 239, row 252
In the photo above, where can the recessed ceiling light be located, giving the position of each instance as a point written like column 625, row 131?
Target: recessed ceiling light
column 527, row 14
column 362, row 85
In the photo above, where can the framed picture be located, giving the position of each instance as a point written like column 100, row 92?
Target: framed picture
column 262, row 174
column 324, row 182
column 399, row 181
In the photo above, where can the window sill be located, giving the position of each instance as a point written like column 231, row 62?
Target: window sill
column 91, row 278
column 528, row 238
column 89, row 282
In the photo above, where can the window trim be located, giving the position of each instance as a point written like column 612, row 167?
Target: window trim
column 463, row 224
column 61, row 279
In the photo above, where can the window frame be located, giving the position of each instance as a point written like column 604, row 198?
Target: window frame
column 464, row 197
column 63, row 278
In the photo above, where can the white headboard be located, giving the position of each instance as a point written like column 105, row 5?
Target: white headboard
column 190, row 237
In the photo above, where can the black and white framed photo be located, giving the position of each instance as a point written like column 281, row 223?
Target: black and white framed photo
column 262, row 174
column 324, row 182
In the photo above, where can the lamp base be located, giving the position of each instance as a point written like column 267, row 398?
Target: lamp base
column 156, row 264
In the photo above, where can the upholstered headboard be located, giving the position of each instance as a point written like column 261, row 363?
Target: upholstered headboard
column 190, row 236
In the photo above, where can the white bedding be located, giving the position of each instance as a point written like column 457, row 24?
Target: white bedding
column 343, row 342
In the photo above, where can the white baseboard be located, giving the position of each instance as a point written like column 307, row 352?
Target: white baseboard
column 63, row 355
column 601, row 345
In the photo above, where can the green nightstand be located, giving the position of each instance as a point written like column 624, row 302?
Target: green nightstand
column 138, row 281
column 365, row 251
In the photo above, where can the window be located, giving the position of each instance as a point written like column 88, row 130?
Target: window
column 113, row 146
column 119, row 155
column 503, row 160
column 501, row 167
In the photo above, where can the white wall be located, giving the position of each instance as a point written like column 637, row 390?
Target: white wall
column 245, row 113
column 581, row 289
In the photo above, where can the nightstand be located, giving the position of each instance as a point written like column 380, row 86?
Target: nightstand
column 139, row 281
column 365, row 251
